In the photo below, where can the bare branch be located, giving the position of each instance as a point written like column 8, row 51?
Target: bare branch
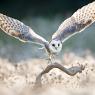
column 71, row 71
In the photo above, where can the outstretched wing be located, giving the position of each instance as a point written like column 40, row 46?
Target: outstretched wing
column 80, row 20
column 19, row 30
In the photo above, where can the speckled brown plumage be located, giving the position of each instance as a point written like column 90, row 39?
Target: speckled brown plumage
column 80, row 20
column 19, row 30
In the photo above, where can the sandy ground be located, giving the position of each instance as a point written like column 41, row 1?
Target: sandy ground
column 19, row 79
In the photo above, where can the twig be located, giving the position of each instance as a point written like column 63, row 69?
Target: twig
column 71, row 71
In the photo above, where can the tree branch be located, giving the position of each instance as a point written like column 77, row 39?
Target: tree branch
column 70, row 71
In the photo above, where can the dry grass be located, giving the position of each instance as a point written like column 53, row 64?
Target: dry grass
column 19, row 79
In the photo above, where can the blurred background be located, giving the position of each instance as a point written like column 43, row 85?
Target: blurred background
column 44, row 16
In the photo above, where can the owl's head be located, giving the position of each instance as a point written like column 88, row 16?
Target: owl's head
column 55, row 46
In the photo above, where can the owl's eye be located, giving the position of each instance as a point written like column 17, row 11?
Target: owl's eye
column 58, row 44
column 53, row 45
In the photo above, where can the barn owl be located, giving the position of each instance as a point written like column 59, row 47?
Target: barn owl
column 79, row 21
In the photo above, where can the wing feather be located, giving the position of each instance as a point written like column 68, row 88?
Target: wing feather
column 19, row 30
column 80, row 20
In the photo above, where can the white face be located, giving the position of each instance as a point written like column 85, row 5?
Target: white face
column 55, row 46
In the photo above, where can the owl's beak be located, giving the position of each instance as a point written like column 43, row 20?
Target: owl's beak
column 56, row 48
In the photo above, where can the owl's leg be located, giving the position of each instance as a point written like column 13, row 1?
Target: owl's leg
column 51, row 58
